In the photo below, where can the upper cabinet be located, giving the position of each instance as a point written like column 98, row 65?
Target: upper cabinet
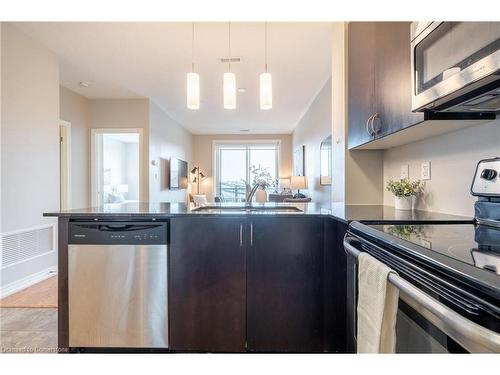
column 393, row 78
column 361, row 81
column 379, row 81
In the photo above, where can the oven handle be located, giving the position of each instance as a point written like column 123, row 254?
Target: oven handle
column 472, row 336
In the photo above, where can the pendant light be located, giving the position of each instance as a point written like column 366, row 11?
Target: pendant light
column 193, row 81
column 266, row 81
column 229, row 82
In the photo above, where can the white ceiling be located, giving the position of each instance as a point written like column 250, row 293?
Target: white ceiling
column 137, row 59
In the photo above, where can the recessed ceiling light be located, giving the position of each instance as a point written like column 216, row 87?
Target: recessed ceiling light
column 242, row 89
column 83, row 84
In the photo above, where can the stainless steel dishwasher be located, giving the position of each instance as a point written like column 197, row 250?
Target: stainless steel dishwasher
column 117, row 279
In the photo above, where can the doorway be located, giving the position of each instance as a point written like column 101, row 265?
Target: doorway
column 116, row 166
column 64, row 165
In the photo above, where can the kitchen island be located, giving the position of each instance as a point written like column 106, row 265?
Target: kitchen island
column 262, row 278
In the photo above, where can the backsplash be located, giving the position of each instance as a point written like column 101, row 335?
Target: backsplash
column 453, row 158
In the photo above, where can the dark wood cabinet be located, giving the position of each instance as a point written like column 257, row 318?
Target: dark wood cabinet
column 285, row 285
column 361, row 80
column 379, row 80
column 393, row 78
column 261, row 284
column 207, row 307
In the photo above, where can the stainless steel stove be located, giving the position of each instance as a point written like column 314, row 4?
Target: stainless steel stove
column 450, row 273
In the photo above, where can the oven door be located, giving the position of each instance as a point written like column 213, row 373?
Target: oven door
column 416, row 334
column 448, row 57
column 432, row 319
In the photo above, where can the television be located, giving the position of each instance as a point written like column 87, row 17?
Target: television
column 178, row 174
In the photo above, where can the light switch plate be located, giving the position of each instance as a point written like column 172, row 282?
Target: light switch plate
column 405, row 171
column 426, row 170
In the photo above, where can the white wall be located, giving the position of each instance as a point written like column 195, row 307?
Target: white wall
column 1, row 121
column 124, row 113
column 74, row 109
column 163, row 138
column 314, row 126
column 30, row 139
column 167, row 139
column 30, row 130
column 453, row 158
column 203, row 155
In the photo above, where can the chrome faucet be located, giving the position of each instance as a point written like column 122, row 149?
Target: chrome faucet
column 251, row 190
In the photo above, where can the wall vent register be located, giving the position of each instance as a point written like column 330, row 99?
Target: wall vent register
column 22, row 245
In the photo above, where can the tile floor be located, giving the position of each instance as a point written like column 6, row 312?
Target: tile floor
column 28, row 330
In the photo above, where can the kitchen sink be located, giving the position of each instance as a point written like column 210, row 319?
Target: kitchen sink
column 270, row 209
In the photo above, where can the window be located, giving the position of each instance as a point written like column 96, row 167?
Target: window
column 239, row 163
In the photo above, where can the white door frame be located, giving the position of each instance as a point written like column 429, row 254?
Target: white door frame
column 64, row 165
column 97, row 148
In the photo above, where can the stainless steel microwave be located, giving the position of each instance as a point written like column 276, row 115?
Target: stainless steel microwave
column 455, row 66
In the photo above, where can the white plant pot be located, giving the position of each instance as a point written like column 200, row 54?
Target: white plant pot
column 404, row 203
column 261, row 196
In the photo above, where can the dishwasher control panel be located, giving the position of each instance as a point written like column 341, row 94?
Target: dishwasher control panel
column 116, row 233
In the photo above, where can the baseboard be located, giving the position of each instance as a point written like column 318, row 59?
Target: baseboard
column 27, row 281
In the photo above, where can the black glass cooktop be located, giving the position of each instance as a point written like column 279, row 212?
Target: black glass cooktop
column 476, row 245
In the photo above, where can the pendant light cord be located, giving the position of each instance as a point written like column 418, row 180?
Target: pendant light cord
column 192, row 47
column 265, row 44
column 229, row 45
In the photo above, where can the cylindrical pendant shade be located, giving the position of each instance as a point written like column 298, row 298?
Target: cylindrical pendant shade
column 229, row 90
column 266, row 91
column 193, row 91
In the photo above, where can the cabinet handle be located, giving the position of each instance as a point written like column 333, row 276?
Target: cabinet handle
column 241, row 235
column 375, row 117
column 368, row 125
column 251, row 234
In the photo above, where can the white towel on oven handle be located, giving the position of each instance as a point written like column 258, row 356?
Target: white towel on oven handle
column 377, row 307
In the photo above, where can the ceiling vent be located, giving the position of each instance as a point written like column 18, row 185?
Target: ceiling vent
column 230, row 60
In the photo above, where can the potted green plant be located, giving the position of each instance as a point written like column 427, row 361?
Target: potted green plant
column 404, row 191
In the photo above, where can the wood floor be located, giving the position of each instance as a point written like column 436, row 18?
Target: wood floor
column 40, row 295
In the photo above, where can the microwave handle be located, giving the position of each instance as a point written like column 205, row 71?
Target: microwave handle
column 472, row 336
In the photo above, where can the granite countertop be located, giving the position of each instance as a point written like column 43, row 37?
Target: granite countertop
column 336, row 210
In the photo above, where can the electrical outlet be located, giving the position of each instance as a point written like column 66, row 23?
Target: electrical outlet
column 426, row 244
column 426, row 170
column 405, row 171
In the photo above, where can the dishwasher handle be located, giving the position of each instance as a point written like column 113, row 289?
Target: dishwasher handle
column 124, row 227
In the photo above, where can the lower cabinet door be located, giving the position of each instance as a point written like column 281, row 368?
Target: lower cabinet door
column 284, row 285
column 207, row 285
